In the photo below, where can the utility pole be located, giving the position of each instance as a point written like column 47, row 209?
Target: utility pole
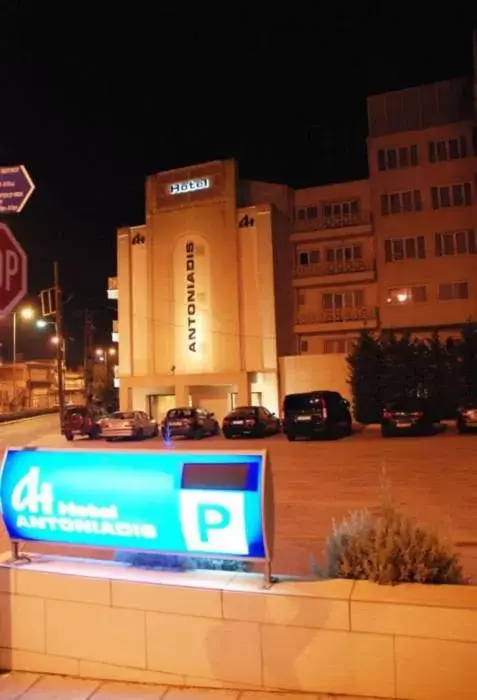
column 60, row 344
column 88, row 356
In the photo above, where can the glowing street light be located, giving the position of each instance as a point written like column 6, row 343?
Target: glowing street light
column 112, row 352
column 27, row 313
column 41, row 323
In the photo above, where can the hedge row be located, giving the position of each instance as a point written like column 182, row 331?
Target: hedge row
column 28, row 413
column 387, row 367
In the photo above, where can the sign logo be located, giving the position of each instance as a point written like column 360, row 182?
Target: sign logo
column 191, row 297
column 188, row 186
column 34, row 503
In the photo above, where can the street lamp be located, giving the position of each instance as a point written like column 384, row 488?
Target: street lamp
column 27, row 314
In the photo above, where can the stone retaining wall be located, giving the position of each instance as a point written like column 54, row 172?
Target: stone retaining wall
column 218, row 629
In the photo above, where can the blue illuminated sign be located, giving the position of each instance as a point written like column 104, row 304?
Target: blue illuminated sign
column 151, row 501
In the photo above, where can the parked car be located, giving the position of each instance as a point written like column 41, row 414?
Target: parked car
column 129, row 424
column 408, row 416
column 316, row 414
column 83, row 421
column 467, row 417
column 192, row 423
column 250, row 421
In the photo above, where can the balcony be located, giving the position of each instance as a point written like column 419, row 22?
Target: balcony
column 112, row 287
column 361, row 219
column 351, row 271
column 335, row 320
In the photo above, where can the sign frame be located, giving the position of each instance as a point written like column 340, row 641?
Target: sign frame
column 264, row 487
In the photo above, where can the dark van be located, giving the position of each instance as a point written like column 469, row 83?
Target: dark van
column 316, row 414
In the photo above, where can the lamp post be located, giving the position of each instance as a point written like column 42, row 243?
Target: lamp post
column 27, row 313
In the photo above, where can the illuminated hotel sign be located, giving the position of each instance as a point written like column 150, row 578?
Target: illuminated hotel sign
column 191, row 297
column 167, row 501
column 189, row 186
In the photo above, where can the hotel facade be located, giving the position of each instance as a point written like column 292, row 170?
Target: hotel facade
column 238, row 292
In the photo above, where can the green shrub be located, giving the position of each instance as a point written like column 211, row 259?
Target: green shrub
column 171, row 562
column 388, row 548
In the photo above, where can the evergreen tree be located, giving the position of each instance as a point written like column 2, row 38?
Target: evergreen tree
column 364, row 364
column 468, row 362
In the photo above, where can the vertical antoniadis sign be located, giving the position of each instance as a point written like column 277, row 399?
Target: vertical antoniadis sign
column 192, row 295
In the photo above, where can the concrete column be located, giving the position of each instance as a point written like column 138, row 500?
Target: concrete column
column 181, row 392
column 125, row 397
column 244, row 396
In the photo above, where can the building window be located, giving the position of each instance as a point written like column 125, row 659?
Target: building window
column 333, row 346
column 453, row 290
column 404, row 248
column 398, row 202
column 392, row 158
column 303, row 345
column 459, row 195
column 447, row 149
column 405, row 295
column 343, row 300
column 344, row 255
column 301, row 298
column 455, row 243
column 341, row 210
column 308, row 257
column 311, row 212
column 338, row 346
column 303, row 213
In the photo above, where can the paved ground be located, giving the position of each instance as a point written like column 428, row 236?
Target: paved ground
column 30, row 686
column 433, row 479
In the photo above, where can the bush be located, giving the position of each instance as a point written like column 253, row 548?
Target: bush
column 170, row 562
column 388, row 548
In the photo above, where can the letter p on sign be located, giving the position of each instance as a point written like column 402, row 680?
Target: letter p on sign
column 214, row 521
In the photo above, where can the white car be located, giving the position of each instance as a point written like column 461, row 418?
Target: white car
column 129, row 424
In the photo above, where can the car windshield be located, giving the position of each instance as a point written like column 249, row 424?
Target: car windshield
column 406, row 404
column 123, row 415
column 244, row 412
column 77, row 411
column 302, row 402
column 180, row 413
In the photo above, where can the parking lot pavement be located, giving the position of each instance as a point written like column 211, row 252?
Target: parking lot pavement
column 433, row 479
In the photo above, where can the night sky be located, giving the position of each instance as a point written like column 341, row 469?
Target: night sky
column 93, row 98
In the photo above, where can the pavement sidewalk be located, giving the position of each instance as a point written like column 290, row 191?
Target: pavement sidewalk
column 32, row 686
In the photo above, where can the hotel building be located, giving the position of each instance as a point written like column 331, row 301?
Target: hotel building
column 237, row 292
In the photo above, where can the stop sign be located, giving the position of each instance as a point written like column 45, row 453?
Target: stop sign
column 13, row 271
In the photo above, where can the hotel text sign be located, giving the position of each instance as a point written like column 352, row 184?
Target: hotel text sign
column 188, row 186
column 191, row 297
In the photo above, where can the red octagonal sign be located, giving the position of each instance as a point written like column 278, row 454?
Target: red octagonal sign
column 13, row 271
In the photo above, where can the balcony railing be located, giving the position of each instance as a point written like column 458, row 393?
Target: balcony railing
column 320, row 223
column 323, row 269
column 344, row 315
column 112, row 287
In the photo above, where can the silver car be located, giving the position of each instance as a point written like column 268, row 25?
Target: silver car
column 129, row 424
